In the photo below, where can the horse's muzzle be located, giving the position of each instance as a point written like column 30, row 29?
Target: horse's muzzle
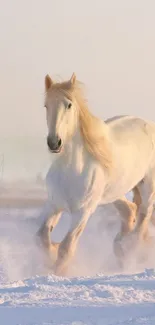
column 54, row 144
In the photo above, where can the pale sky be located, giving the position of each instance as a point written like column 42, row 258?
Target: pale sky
column 109, row 44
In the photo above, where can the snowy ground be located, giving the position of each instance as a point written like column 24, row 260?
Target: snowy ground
column 96, row 291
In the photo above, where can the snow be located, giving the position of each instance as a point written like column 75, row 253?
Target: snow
column 96, row 291
column 96, row 300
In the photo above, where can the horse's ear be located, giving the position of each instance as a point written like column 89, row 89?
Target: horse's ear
column 48, row 82
column 73, row 79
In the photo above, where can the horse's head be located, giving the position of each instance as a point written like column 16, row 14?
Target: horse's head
column 61, row 112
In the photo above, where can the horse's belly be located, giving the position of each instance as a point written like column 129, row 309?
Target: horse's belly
column 132, row 162
column 125, row 181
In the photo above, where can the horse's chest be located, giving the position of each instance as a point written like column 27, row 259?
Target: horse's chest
column 72, row 187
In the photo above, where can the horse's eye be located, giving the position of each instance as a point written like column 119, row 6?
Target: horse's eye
column 69, row 105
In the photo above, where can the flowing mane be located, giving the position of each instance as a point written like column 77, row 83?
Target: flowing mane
column 93, row 130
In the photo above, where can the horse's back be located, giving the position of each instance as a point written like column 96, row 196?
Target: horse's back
column 127, row 121
column 128, row 127
column 133, row 142
column 115, row 118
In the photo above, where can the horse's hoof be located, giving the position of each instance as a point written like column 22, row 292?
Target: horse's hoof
column 38, row 240
column 60, row 268
column 117, row 247
column 119, row 251
column 58, row 271
column 122, row 244
column 123, row 247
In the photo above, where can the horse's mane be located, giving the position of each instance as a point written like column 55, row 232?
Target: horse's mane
column 93, row 130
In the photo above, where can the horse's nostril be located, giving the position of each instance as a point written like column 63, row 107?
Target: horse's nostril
column 59, row 143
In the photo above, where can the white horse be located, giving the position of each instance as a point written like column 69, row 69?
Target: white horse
column 96, row 163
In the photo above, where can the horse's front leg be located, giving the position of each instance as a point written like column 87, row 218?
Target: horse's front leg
column 68, row 246
column 49, row 219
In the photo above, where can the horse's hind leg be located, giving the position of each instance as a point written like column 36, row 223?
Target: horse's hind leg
column 127, row 211
column 147, row 193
